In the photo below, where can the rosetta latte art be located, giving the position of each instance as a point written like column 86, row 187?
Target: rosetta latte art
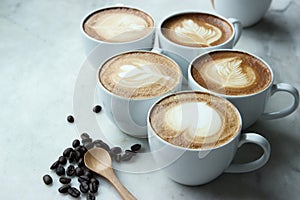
column 141, row 74
column 229, row 72
column 204, row 35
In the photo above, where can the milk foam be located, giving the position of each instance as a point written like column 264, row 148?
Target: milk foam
column 113, row 25
column 230, row 72
column 197, row 119
column 141, row 74
column 191, row 32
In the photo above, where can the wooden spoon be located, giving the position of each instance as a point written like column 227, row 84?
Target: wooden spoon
column 99, row 161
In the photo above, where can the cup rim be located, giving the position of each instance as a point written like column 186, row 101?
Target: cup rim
column 138, row 99
column 83, row 20
column 196, row 12
column 149, row 125
column 191, row 78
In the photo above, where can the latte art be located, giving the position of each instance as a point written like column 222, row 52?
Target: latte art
column 140, row 74
column 203, row 35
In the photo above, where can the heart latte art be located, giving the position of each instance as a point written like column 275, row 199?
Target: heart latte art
column 194, row 120
column 140, row 75
column 231, row 73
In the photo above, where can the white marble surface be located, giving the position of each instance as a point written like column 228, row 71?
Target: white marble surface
column 41, row 54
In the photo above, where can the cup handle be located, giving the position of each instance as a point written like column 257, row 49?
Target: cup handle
column 283, row 87
column 237, row 29
column 253, row 165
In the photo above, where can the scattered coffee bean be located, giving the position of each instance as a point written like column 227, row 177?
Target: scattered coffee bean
column 117, row 157
column 62, row 160
column 67, row 152
column 70, row 119
column 64, row 188
column 97, row 142
column 135, row 147
column 90, row 196
column 60, row 170
column 74, row 192
column 86, row 140
column 83, row 178
column 97, row 109
column 81, row 162
column 84, row 136
column 94, row 180
column 77, row 156
column 75, row 143
column 88, row 173
column 93, row 187
column 84, row 187
column 127, row 156
column 116, row 150
column 54, row 165
column 70, row 170
column 105, row 146
column 89, row 145
column 64, row 180
column 47, row 179
column 79, row 171
column 72, row 156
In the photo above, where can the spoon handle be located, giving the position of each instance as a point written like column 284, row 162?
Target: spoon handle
column 124, row 193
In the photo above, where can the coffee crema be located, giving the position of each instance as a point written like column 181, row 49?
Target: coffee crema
column 140, row 74
column 196, row 30
column 195, row 120
column 231, row 73
column 119, row 24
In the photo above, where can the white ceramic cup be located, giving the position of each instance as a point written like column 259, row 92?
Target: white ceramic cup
column 189, row 53
column 101, row 50
column 199, row 166
column 249, row 12
column 130, row 115
column 252, row 106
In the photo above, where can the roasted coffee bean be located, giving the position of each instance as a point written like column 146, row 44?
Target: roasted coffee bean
column 67, row 152
column 97, row 109
column 88, row 173
column 93, row 187
column 89, row 145
column 84, row 187
column 54, row 165
column 64, row 188
column 127, row 156
column 62, row 160
column 64, row 180
column 82, row 150
column 70, row 119
column 94, row 180
column 74, row 192
column 47, row 179
column 97, row 142
column 130, row 152
column 118, row 157
column 84, row 136
column 83, row 178
column 72, row 156
column 77, row 156
column 135, row 147
column 70, row 170
column 60, row 170
column 79, row 171
column 81, row 162
column 105, row 146
column 86, row 140
column 75, row 143
column 116, row 150
column 90, row 196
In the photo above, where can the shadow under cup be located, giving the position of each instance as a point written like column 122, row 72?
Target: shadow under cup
column 202, row 157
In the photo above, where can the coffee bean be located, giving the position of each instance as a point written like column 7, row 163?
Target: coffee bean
column 70, row 119
column 67, row 152
column 88, row 173
column 81, row 162
column 75, row 143
column 127, row 156
column 105, row 146
column 94, row 180
column 135, row 147
column 64, row 188
column 86, row 140
column 118, row 157
column 84, row 187
column 97, row 109
column 116, row 150
column 62, row 160
column 79, row 171
column 70, row 170
column 82, row 150
column 64, row 180
column 60, row 170
column 47, row 179
column 93, row 187
column 54, row 165
column 77, row 156
column 90, row 196
column 83, row 178
column 74, row 192
column 72, row 156
column 84, row 136
column 89, row 145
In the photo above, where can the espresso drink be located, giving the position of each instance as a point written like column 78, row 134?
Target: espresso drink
column 196, row 30
column 140, row 75
column 231, row 73
column 119, row 24
column 195, row 120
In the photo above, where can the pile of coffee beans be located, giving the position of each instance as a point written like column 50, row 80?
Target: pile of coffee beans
column 70, row 165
